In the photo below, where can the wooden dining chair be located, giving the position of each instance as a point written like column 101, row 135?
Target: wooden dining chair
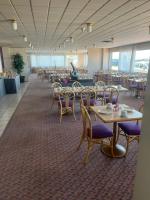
column 99, row 84
column 111, row 95
column 53, row 86
column 132, row 85
column 66, row 103
column 76, row 84
column 141, row 87
column 100, row 95
column 54, row 96
column 93, row 134
column 117, row 80
column 56, row 85
column 88, row 97
column 131, row 130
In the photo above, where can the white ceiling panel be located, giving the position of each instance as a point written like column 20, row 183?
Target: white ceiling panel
column 47, row 23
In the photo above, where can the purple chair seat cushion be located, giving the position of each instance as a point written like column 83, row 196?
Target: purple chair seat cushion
column 133, row 86
column 114, row 100
column 141, row 88
column 102, row 95
column 64, row 103
column 100, row 131
column 92, row 102
column 130, row 128
column 57, row 98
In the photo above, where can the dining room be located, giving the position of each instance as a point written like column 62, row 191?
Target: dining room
column 74, row 99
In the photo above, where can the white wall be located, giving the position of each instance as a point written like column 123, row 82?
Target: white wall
column 7, row 58
column 106, row 56
column 80, row 60
column 142, row 181
column 7, row 54
column 94, row 60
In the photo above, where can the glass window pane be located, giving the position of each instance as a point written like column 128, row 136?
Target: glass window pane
column 141, row 63
column 47, row 61
column 73, row 59
column 33, row 61
column 125, row 60
column 115, row 61
column 1, row 69
column 59, row 61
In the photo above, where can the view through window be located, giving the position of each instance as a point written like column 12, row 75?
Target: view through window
column 115, row 61
column 47, row 61
column 71, row 58
column 53, row 60
column 141, row 63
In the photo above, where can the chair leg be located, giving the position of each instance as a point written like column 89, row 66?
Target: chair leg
column 74, row 114
column 118, row 133
column 127, row 146
column 95, row 117
column 90, row 145
column 60, row 119
column 138, row 139
column 81, row 141
column 52, row 105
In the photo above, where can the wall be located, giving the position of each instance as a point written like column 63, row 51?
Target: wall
column 94, row 60
column 106, row 56
column 7, row 54
column 81, row 60
column 142, row 181
column 7, row 58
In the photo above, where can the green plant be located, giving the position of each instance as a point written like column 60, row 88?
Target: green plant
column 18, row 63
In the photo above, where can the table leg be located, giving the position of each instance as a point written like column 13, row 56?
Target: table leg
column 115, row 150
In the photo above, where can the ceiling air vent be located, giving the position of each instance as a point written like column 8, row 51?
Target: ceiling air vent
column 108, row 40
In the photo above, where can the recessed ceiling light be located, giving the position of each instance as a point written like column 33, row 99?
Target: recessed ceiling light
column 14, row 24
column 25, row 38
column 87, row 27
column 71, row 39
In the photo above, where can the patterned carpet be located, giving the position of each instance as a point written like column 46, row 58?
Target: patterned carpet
column 38, row 158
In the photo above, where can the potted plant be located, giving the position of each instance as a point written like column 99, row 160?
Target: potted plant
column 18, row 64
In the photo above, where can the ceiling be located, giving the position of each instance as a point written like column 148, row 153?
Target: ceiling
column 47, row 23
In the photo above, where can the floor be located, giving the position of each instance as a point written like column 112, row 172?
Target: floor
column 39, row 161
column 8, row 105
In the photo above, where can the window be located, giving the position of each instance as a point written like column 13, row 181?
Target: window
column 115, row 61
column 141, row 63
column 47, row 61
column 125, row 61
column 58, row 61
column 1, row 68
column 73, row 59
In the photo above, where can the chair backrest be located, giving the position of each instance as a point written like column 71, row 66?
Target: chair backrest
column 87, row 126
column 110, row 92
column 65, row 96
column 131, row 83
column 141, row 85
column 76, row 84
column 141, row 109
column 88, row 94
column 56, row 85
column 100, row 83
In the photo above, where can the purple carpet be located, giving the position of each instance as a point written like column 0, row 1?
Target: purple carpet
column 39, row 161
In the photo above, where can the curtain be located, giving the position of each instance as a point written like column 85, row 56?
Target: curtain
column 47, row 61
column 125, row 61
